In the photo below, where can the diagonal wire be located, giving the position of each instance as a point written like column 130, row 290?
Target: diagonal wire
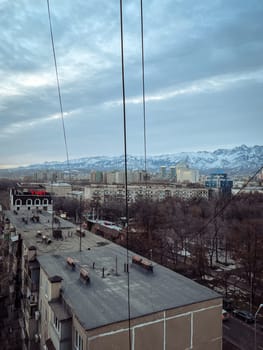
column 227, row 203
column 58, row 88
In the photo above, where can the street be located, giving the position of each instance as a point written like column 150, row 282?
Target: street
column 241, row 335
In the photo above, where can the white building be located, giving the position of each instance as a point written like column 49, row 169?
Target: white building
column 104, row 193
column 185, row 174
column 60, row 189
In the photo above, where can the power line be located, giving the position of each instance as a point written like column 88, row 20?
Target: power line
column 58, row 88
column 143, row 92
column 126, row 170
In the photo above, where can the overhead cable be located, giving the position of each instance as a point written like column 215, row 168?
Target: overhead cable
column 58, row 88
column 125, row 168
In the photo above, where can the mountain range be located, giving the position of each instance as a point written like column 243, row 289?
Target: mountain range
column 241, row 159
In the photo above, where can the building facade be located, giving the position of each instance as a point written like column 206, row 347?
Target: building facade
column 220, row 183
column 28, row 197
column 83, row 305
column 157, row 192
column 73, row 294
column 59, row 189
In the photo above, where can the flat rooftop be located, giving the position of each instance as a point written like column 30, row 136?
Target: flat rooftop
column 31, row 233
column 103, row 301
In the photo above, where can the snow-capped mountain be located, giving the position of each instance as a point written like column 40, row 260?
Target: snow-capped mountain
column 238, row 159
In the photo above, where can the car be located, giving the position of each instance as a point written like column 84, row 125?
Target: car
column 225, row 315
column 228, row 304
column 244, row 315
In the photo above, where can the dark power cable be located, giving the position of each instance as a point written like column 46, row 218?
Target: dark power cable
column 58, row 88
column 126, row 171
column 143, row 92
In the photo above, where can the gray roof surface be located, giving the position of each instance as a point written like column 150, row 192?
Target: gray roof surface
column 70, row 241
column 103, row 301
column 59, row 310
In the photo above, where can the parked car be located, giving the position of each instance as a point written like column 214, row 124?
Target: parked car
column 225, row 315
column 244, row 315
column 228, row 304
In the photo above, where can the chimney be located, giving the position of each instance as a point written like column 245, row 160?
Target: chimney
column 55, row 282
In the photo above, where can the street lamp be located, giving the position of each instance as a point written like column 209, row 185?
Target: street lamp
column 255, row 325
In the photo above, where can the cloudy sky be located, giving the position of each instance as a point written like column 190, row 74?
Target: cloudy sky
column 203, row 77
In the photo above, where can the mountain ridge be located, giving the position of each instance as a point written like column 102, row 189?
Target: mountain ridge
column 238, row 159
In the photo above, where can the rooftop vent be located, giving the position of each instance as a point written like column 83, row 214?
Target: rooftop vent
column 84, row 275
column 46, row 239
column 55, row 279
column 147, row 265
column 71, row 263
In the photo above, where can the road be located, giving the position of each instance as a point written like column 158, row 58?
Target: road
column 241, row 335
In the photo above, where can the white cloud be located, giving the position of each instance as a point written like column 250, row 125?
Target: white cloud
column 208, row 85
column 19, row 84
column 16, row 128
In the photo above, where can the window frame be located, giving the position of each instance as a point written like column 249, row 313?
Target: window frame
column 78, row 341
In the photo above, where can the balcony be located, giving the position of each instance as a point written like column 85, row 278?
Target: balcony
column 30, row 307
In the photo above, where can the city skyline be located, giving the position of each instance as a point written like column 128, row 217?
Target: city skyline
column 203, row 78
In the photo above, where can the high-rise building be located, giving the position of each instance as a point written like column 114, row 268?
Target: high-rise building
column 172, row 172
column 219, row 182
column 163, row 171
column 186, row 174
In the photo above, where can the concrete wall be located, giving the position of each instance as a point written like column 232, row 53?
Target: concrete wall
column 197, row 327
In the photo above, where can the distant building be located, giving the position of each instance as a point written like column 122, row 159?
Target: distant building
column 59, row 189
column 185, row 174
column 163, row 173
column 28, row 197
column 219, row 182
column 172, row 172
column 104, row 193
column 96, row 176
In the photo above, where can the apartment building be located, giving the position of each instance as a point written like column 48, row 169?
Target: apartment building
column 83, row 303
column 25, row 241
column 185, row 174
column 59, row 189
column 104, row 193
column 82, row 292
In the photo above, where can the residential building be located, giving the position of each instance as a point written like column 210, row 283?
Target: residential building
column 96, row 176
column 83, row 304
column 185, row 174
column 172, row 172
column 76, row 295
column 59, row 189
column 103, row 193
column 163, row 173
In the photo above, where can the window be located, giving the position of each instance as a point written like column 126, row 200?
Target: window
column 56, row 323
column 18, row 202
column 46, row 289
column 29, row 202
column 78, row 341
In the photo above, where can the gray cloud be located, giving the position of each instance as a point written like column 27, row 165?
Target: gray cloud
column 203, row 71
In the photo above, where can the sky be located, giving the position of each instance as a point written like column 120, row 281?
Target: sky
column 203, row 77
